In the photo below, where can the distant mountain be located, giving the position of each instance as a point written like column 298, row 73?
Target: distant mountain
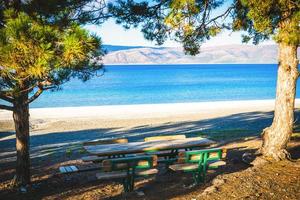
column 111, row 48
column 167, row 55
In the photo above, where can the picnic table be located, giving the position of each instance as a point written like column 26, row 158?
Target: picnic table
column 144, row 147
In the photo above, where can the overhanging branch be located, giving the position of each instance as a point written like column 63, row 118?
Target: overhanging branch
column 4, row 107
column 39, row 92
column 6, row 98
column 35, row 96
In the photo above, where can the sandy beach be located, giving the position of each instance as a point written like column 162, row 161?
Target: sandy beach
column 143, row 111
column 154, row 116
column 57, row 134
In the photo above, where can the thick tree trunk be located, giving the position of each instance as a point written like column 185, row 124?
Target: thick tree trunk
column 276, row 137
column 21, row 120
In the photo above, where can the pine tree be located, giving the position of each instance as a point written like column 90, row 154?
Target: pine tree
column 42, row 46
column 192, row 22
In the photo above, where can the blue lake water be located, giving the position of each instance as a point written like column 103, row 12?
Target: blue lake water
column 148, row 84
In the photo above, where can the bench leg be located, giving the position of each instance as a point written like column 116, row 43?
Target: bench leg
column 128, row 182
column 199, row 176
column 125, row 185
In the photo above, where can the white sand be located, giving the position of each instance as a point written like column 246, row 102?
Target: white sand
column 205, row 109
column 125, row 117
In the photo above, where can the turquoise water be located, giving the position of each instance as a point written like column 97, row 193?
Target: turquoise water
column 147, row 84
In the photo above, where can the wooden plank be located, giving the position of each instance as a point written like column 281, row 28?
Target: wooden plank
column 218, row 163
column 123, row 174
column 106, row 141
column 184, row 167
column 92, row 158
column 224, row 153
column 194, row 166
column 140, row 147
column 165, row 153
column 110, row 175
column 211, row 153
column 147, row 172
column 123, row 163
column 165, row 137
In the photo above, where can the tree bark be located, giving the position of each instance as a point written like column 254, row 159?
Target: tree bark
column 276, row 137
column 21, row 120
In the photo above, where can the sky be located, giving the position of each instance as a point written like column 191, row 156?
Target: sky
column 114, row 34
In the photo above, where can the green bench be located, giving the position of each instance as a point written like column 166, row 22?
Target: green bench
column 127, row 169
column 199, row 161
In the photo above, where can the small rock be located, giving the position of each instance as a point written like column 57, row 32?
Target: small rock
column 248, row 158
column 258, row 194
column 259, row 162
column 23, row 189
column 218, row 182
column 210, row 190
column 140, row 193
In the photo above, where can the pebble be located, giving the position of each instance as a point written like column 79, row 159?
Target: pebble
column 218, row 182
column 23, row 189
column 140, row 193
column 209, row 190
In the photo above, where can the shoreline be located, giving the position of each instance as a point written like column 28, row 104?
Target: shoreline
column 68, row 124
column 142, row 111
column 128, row 64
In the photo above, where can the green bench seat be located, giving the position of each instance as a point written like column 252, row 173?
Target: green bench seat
column 127, row 169
column 199, row 161
column 122, row 174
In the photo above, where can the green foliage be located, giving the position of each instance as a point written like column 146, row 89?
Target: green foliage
column 38, row 54
column 132, row 14
column 190, row 22
column 58, row 12
column 264, row 18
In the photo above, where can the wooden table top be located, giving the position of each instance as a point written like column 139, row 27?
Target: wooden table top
column 141, row 147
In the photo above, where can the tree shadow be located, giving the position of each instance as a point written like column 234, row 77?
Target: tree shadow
column 6, row 134
column 49, row 150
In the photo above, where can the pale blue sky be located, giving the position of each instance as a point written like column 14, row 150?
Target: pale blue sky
column 114, row 34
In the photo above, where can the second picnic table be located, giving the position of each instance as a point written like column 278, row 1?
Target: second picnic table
column 143, row 147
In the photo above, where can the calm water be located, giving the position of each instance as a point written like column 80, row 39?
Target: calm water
column 146, row 84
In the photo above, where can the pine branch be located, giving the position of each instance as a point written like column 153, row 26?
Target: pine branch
column 35, row 96
column 6, row 98
column 4, row 107
column 38, row 93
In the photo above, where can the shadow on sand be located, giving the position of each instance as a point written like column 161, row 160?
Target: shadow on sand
column 53, row 146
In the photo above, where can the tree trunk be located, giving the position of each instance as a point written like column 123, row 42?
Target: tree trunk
column 21, row 120
column 276, row 137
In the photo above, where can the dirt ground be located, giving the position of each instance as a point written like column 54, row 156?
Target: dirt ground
column 237, row 180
